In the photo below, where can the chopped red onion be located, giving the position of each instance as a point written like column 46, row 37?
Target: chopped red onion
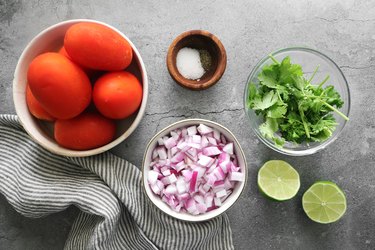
column 236, row 176
column 228, row 184
column 196, row 139
column 155, row 189
column 219, row 173
column 154, row 154
column 192, row 151
column 169, row 179
column 216, row 135
column 205, row 160
column 210, row 151
column 179, row 166
column 228, row 148
column 187, row 174
column 223, row 139
column 183, row 197
column 174, row 150
column 201, row 208
column 160, row 184
column 166, row 172
column 199, row 199
column 175, row 135
column 162, row 152
column 217, row 202
column 170, row 142
column 178, row 207
column 191, row 206
column 204, row 141
column 222, row 199
column 184, row 132
column 208, row 200
column 181, row 185
column 178, row 157
column 219, row 194
column 203, row 129
column 211, row 179
column 194, row 169
column 160, row 141
column 193, row 182
column 182, row 145
column 152, row 177
column 171, row 189
column 212, row 141
column 192, row 130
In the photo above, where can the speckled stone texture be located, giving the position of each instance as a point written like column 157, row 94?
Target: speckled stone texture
column 343, row 30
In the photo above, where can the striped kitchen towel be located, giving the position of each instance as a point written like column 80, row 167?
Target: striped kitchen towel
column 115, row 213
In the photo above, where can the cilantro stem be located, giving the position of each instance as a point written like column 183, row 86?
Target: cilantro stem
column 273, row 59
column 336, row 110
column 330, row 106
column 304, row 122
column 312, row 76
column 278, row 94
column 324, row 81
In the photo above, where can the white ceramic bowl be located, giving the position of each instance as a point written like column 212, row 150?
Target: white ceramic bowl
column 237, row 190
column 51, row 39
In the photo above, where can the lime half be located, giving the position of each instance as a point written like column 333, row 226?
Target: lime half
column 324, row 202
column 278, row 180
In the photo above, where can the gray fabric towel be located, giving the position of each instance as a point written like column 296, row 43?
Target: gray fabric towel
column 115, row 213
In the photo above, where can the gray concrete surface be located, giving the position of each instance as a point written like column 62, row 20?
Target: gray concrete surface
column 342, row 29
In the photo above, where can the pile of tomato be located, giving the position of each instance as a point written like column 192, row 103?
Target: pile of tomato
column 61, row 88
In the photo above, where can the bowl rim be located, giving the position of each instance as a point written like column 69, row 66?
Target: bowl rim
column 147, row 189
column 324, row 144
column 192, row 84
column 82, row 153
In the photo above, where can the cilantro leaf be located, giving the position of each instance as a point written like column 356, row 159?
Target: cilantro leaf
column 265, row 102
column 324, row 128
column 269, row 79
column 289, row 71
column 271, row 71
column 333, row 97
column 268, row 129
column 276, row 111
column 251, row 94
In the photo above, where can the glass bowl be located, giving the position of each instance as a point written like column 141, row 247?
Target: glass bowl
column 309, row 59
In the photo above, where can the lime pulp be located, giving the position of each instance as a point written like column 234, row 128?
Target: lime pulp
column 324, row 202
column 278, row 180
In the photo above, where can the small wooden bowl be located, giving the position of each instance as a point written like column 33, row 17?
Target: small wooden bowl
column 198, row 39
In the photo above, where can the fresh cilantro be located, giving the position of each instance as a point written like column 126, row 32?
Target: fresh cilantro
column 294, row 109
column 264, row 102
column 276, row 111
column 268, row 129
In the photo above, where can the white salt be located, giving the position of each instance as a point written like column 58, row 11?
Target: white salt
column 189, row 63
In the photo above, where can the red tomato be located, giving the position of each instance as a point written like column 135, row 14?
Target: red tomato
column 63, row 52
column 117, row 95
column 96, row 46
column 60, row 86
column 89, row 72
column 86, row 131
column 35, row 108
